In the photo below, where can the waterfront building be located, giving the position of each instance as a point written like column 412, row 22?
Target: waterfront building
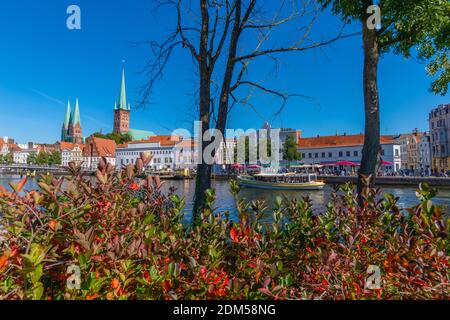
column 425, row 158
column 439, row 123
column 162, row 149
column 7, row 146
column 283, row 134
column 186, row 154
column 71, row 129
column 21, row 155
column 409, row 149
column 96, row 148
column 328, row 150
column 122, row 115
column 71, row 152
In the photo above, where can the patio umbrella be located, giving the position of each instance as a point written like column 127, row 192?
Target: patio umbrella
column 386, row 163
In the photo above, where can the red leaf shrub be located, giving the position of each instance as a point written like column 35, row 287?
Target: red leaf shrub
column 131, row 241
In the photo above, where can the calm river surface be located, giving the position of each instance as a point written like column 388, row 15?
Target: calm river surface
column 225, row 200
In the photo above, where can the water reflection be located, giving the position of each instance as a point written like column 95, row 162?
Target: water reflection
column 225, row 200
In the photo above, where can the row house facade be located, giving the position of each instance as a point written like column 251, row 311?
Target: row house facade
column 7, row 146
column 20, row 156
column 439, row 123
column 162, row 149
column 410, row 150
column 425, row 159
column 89, row 153
column 71, row 152
column 331, row 149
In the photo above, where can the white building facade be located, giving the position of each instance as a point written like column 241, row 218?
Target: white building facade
column 332, row 149
column 21, row 156
column 162, row 150
column 425, row 158
column 71, row 153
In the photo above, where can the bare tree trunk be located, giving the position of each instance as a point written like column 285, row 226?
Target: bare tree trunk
column 372, row 148
column 229, row 70
column 203, row 178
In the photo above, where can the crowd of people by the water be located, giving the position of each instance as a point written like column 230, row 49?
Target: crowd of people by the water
column 343, row 172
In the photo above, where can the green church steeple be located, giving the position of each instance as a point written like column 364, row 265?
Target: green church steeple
column 123, row 95
column 68, row 116
column 76, row 115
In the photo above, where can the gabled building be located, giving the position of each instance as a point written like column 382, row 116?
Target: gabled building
column 7, row 146
column 71, row 152
column 425, row 158
column 21, row 155
column 96, row 148
column 409, row 149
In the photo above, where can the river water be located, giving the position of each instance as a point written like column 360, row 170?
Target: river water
column 225, row 201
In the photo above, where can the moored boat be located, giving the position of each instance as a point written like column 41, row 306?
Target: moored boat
column 281, row 181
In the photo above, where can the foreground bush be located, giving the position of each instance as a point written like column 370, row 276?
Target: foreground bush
column 130, row 241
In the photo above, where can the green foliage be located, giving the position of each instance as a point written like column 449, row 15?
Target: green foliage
column 119, row 138
column 290, row 150
column 44, row 158
column 419, row 26
column 6, row 159
column 132, row 241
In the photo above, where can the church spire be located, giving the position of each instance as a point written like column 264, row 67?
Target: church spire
column 68, row 116
column 123, row 94
column 76, row 115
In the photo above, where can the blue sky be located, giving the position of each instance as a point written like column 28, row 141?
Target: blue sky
column 42, row 64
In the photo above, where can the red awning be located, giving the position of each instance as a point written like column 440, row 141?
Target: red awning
column 254, row 167
column 386, row 163
column 347, row 163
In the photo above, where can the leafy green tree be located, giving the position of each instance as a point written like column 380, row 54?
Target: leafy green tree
column 32, row 158
column 6, row 159
column 290, row 151
column 119, row 138
column 420, row 27
column 43, row 158
column 55, row 158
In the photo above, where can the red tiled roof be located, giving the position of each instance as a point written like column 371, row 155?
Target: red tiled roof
column 66, row 145
column 11, row 146
column 102, row 147
column 338, row 141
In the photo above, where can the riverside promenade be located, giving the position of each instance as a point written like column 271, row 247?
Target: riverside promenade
column 23, row 169
column 391, row 181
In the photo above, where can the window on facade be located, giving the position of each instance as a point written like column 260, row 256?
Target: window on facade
column 309, row 155
column 347, row 153
column 323, row 154
column 341, row 153
column 316, row 155
column 330, row 154
column 355, row 153
column 382, row 152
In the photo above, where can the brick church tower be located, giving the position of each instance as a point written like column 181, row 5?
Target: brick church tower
column 122, row 110
column 71, row 129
